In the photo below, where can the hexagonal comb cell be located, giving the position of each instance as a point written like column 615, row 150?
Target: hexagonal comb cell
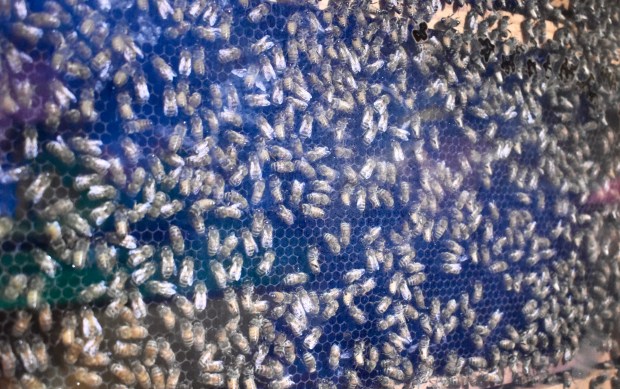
column 289, row 194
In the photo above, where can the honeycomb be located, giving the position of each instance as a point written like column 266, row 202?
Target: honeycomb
column 288, row 194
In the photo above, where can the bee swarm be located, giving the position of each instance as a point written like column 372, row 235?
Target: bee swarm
column 243, row 193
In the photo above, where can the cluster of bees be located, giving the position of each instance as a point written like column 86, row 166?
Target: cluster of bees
column 428, row 192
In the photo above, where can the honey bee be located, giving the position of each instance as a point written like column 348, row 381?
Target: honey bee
column 184, row 306
column 312, row 211
column 451, row 268
column 332, row 243
column 494, row 320
column 197, row 127
column 175, row 141
column 367, row 286
column 228, row 245
column 223, row 344
column 297, row 189
column 52, row 111
column 90, row 325
column 117, row 173
column 92, row 292
column 174, row 374
column 26, row 356
column 199, row 334
column 334, row 356
column 285, row 215
column 357, row 315
column 212, row 379
column 200, row 296
column 266, row 237
column 283, row 166
column 131, row 332
column 278, row 58
column 347, row 192
column 123, row 374
column 258, row 188
column 45, row 262
column 142, row 375
column 61, row 150
column 34, row 291
column 45, row 317
column 102, row 192
column 139, row 255
column 383, row 304
column 292, row 23
column 330, row 309
column 165, row 352
column 316, row 154
column 477, row 362
column 265, row 265
column 255, row 170
column 327, row 172
column 353, row 275
column 353, row 380
column 167, row 316
column 254, row 329
column 477, row 293
column 309, row 362
column 260, row 100
column 35, row 191
column 229, row 54
column 157, row 377
column 138, row 125
column 210, row 34
column 116, row 305
column 258, row 222
column 258, row 13
column 296, row 318
column 67, row 331
column 240, row 342
column 198, row 61
column 98, row 359
column 185, row 63
column 73, row 351
column 137, row 304
column 186, row 332
column 311, row 340
column 64, row 97
column 250, row 76
column 53, row 211
column 236, row 266
column 213, row 241
column 162, row 68
column 219, row 274
column 186, row 274
column 121, row 76
column 249, row 245
column 372, row 235
column 8, row 360
column 87, row 377
column 171, row 107
column 228, row 212
column 97, row 165
column 305, row 128
column 141, row 91
column 498, row 267
column 149, row 355
column 176, row 240
column 124, row 106
column 292, row 279
column 31, row 144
